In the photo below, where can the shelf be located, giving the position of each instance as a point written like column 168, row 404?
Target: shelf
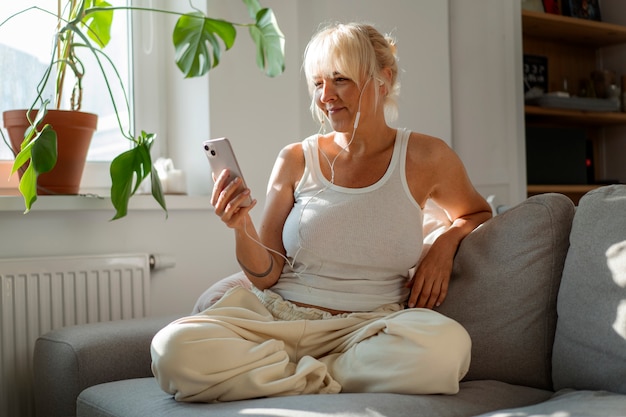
column 573, row 192
column 579, row 117
column 573, row 49
column 565, row 188
column 11, row 203
column 572, row 30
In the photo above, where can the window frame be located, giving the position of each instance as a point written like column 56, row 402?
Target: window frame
column 164, row 102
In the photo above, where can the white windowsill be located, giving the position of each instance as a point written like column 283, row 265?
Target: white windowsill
column 89, row 202
column 11, row 200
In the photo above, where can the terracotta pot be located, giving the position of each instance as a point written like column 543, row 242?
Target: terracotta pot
column 74, row 132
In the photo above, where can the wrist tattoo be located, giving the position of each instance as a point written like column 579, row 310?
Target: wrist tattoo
column 257, row 274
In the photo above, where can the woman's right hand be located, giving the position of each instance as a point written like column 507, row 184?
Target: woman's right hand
column 230, row 200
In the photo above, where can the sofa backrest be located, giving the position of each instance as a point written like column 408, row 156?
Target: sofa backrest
column 503, row 290
column 590, row 343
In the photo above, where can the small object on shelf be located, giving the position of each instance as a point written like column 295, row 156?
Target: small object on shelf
column 602, row 82
column 535, row 73
column 575, row 103
column 583, row 9
column 552, row 6
column 558, row 94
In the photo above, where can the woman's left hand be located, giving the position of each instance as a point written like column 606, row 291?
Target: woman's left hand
column 429, row 285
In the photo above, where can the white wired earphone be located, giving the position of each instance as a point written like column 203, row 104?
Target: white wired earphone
column 332, row 181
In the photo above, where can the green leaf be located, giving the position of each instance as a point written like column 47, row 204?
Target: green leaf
column 123, row 170
column 195, row 37
column 157, row 189
column 38, row 150
column 134, row 166
column 270, row 43
column 41, row 152
column 44, row 151
column 28, row 187
column 22, row 157
column 253, row 7
column 31, row 130
column 99, row 23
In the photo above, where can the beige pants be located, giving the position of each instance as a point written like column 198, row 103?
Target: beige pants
column 238, row 349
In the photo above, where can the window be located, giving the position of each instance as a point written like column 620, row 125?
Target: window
column 23, row 60
column 160, row 96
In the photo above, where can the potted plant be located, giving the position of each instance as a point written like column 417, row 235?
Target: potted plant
column 85, row 26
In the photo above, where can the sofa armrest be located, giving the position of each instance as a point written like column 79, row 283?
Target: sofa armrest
column 70, row 359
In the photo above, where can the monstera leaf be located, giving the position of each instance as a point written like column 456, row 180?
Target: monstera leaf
column 99, row 23
column 270, row 43
column 195, row 36
column 198, row 48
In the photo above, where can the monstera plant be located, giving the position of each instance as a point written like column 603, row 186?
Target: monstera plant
column 84, row 27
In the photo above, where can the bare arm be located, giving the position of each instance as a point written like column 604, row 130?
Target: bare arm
column 450, row 187
column 262, row 266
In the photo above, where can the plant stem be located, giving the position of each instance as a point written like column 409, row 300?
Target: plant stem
column 62, row 54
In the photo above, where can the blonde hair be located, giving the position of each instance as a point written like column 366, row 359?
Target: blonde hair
column 356, row 50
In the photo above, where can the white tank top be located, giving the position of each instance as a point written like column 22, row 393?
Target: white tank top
column 351, row 248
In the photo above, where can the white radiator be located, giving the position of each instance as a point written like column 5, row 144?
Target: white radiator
column 42, row 294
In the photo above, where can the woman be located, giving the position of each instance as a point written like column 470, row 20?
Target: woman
column 330, row 262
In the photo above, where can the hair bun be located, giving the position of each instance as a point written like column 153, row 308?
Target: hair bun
column 392, row 45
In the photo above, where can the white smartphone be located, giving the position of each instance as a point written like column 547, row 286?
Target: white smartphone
column 220, row 154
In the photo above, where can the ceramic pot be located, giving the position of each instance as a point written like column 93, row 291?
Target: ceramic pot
column 74, row 132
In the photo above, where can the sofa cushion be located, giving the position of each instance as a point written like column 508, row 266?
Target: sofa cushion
column 143, row 397
column 571, row 403
column 590, row 344
column 503, row 290
column 218, row 289
column 69, row 359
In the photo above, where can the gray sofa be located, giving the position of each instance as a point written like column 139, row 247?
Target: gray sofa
column 540, row 288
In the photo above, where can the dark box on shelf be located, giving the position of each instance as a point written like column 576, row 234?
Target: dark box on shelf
column 583, row 9
column 535, row 72
column 558, row 156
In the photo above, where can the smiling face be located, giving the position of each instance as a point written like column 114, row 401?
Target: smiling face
column 344, row 59
column 340, row 99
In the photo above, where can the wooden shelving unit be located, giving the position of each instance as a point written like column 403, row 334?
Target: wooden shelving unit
column 574, row 192
column 571, row 46
column 575, row 117
column 572, row 30
column 568, row 189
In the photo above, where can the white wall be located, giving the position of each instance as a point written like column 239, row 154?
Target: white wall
column 261, row 115
column 421, row 30
column 487, row 104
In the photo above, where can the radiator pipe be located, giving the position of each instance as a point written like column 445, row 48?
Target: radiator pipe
column 161, row 262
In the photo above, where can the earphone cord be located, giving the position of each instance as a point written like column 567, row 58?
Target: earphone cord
column 245, row 229
column 344, row 148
